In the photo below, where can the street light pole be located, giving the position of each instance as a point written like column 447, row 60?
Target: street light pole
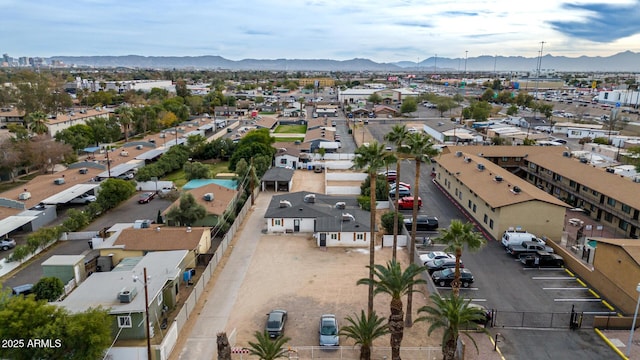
column 146, row 310
column 466, row 53
column 633, row 325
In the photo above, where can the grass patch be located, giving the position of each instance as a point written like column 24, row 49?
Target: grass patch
column 267, row 112
column 179, row 179
column 289, row 139
column 291, row 129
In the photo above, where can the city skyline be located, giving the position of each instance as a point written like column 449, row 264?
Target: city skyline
column 383, row 31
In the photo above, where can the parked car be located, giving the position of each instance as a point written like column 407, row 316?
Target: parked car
column 24, row 290
column 6, row 244
column 329, row 330
column 441, row 264
column 402, row 192
column 542, row 259
column 145, row 198
column 276, row 320
column 126, row 176
column 406, row 203
column 444, row 277
column 401, row 184
column 486, row 317
column 424, row 223
column 390, row 174
column 435, row 255
column 83, row 199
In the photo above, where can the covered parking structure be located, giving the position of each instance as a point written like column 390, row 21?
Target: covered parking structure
column 118, row 170
column 278, row 179
column 151, row 155
column 71, row 193
column 13, row 223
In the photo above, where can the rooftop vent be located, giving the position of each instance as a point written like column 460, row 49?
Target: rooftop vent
column 348, row 217
column 188, row 229
column 480, row 167
column 566, row 154
column 341, row 205
column 498, row 178
column 610, row 170
column 516, row 190
column 208, row 197
column 467, row 160
column 310, row 198
column 458, row 153
column 127, row 295
column 285, row 203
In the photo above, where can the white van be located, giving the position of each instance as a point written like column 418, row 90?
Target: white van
column 515, row 237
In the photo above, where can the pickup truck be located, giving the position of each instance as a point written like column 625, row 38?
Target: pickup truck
column 542, row 259
column 527, row 247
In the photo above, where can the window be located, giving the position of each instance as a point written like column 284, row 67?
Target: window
column 532, row 166
column 124, row 321
column 359, row 236
column 474, row 208
column 623, row 225
column 160, row 298
column 456, row 191
column 595, row 193
column 469, row 206
column 278, row 222
column 283, row 161
column 611, row 201
column 505, row 159
column 491, row 223
column 557, row 191
column 572, row 183
column 626, row 208
column 518, row 159
column 486, row 218
column 334, row 236
column 608, row 217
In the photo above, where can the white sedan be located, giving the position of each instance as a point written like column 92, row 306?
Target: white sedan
column 435, row 255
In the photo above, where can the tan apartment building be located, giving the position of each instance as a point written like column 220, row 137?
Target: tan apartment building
column 497, row 199
column 322, row 82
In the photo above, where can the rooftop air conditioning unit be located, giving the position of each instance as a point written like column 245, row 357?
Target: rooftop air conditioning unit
column 24, row 196
column 516, row 190
column 610, row 170
column 341, row 205
column 139, row 147
column 127, row 295
column 480, row 167
column 285, row 203
column 498, row 178
column 467, row 160
column 566, row 154
column 458, row 153
column 310, row 198
column 208, row 197
column 348, row 217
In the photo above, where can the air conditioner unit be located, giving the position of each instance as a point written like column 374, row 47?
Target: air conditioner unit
column 467, row 160
column 480, row 167
column 310, row 198
column 285, row 203
column 24, row 196
column 139, row 147
column 516, row 190
column 127, row 295
column 458, row 153
column 341, row 205
column 348, row 217
column 498, row 178
column 208, row 197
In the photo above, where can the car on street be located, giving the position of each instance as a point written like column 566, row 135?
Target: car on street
column 276, row 320
column 441, row 264
column 424, row 223
column 329, row 330
column 145, row 198
column 444, row 277
column 406, row 203
column 435, row 255
column 6, row 244
column 402, row 192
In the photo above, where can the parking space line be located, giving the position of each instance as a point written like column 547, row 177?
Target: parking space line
column 542, row 269
column 446, row 287
column 565, row 288
column 553, row 278
column 577, row 300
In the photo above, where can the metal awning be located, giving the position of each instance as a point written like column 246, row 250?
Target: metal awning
column 118, row 170
column 71, row 193
column 12, row 223
column 151, row 154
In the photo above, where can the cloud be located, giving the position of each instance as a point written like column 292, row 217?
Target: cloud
column 459, row 13
column 603, row 22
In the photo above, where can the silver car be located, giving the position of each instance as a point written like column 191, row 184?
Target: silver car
column 329, row 330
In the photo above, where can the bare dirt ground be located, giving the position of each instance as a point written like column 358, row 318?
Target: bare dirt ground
column 308, row 181
column 293, row 274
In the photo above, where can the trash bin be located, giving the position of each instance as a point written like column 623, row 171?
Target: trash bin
column 310, row 167
column 350, row 131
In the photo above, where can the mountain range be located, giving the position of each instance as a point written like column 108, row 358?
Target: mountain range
column 627, row 61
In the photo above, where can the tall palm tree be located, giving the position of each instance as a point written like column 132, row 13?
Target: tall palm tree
column 451, row 314
column 125, row 118
column 372, row 157
column 267, row 349
column 421, row 148
column 397, row 136
column 393, row 281
column 456, row 237
column 37, row 122
column 364, row 330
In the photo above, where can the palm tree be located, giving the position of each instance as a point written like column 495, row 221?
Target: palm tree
column 421, row 149
column 393, row 281
column 125, row 117
column 37, row 122
column 397, row 136
column 451, row 314
column 456, row 237
column 372, row 157
column 267, row 349
column 364, row 330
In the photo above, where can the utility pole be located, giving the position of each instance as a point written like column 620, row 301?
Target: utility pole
column 251, row 184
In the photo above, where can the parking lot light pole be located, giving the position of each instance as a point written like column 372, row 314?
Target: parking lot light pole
column 633, row 324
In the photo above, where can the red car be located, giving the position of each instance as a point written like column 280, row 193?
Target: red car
column 145, row 198
column 406, row 203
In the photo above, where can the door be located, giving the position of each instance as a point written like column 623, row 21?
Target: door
column 323, row 239
column 296, row 225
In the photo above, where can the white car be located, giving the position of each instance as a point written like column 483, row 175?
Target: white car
column 83, row 199
column 434, row 255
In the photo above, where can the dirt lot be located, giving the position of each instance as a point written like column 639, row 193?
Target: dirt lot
column 305, row 180
column 291, row 273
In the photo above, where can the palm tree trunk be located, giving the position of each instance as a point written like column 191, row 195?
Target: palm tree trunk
column 395, row 215
column 224, row 348
column 372, row 239
column 396, row 327
column 365, row 352
column 412, row 246
column 449, row 349
column 455, row 284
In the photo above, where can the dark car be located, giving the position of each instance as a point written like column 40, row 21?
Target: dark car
column 424, row 223
column 444, row 277
column 24, row 290
column 441, row 264
column 275, row 323
column 542, row 259
column 146, row 197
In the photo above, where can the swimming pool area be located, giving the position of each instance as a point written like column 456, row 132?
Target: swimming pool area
column 194, row 184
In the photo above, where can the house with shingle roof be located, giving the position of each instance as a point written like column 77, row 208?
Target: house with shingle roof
column 333, row 221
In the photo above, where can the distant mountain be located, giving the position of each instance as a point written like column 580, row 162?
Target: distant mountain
column 627, row 61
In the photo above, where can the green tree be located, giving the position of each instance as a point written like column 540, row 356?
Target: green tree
column 265, row 348
column 395, row 282
column 364, row 329
column 48, row 288
column 409, row 105
column 444, row 104
column 77, row 136
column 37, row 122
column 450, row 314
column 391, row 220
column 187, row 212
column 398, row 136
column 512, row 110
column 195, row 170
column 456, row 237
column 372, row 157
column 181, row 89
column 113, row 192
column 421, row 149
column 488, row 95
column 375, row 98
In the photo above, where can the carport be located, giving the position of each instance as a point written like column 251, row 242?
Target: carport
column 71, row 193
column 151, row 155
column 278, row 179
column 12, row 223
column 118, row 170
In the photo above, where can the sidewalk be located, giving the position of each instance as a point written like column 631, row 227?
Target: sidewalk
column 618, row 339
column 200, row 340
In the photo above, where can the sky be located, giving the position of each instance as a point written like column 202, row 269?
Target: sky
column 379, row 30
